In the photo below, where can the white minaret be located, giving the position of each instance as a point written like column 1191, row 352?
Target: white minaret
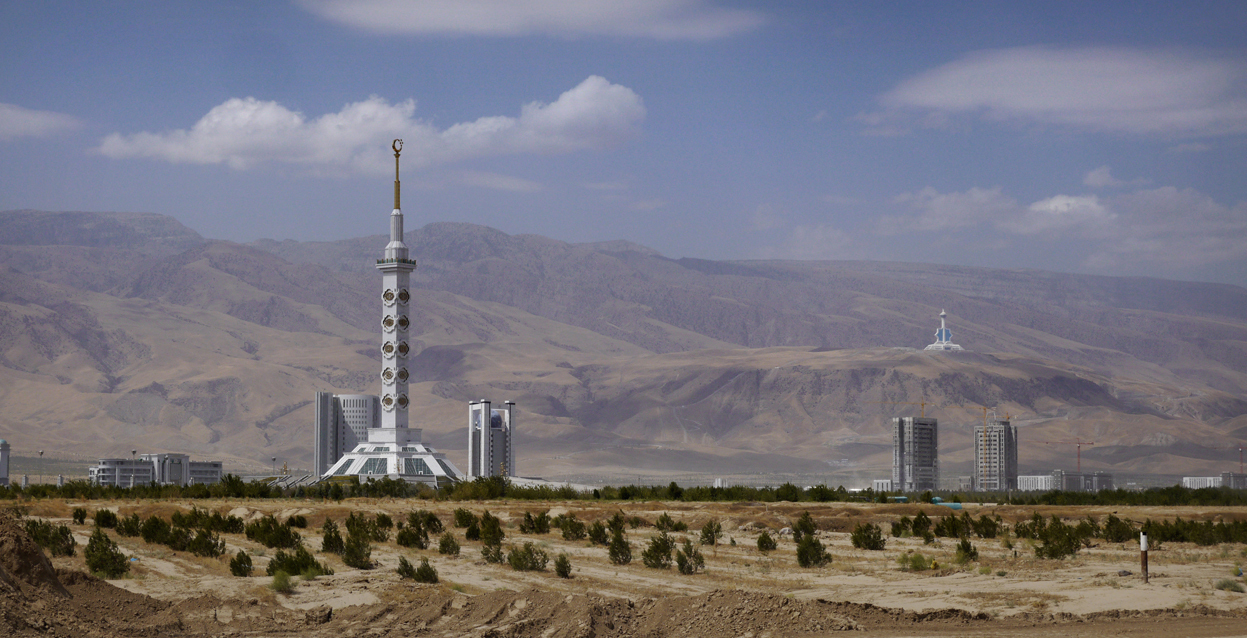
column 395, row 270
column 943, row 336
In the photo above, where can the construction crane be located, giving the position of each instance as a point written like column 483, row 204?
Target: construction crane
column 1078, row 442
column 922, row 412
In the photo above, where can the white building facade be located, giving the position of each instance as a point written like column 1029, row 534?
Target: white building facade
column 915, row 454
column 1036, row 483
column 1199, row 482
column 162, row 469
column 491, row 439
column 995, row 456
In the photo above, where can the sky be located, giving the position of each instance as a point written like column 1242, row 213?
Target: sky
column 1090, row 137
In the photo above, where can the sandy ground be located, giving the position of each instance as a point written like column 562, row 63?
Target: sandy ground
column 1006, row 592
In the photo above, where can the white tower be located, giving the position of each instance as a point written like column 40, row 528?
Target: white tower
column 395, row 270
column 943, row 337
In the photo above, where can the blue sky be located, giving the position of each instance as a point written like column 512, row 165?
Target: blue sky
column 1094, row 137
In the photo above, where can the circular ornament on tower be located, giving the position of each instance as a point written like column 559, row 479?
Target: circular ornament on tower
column 389, row 296
column 388, row 323
column 403, row 348
column 387, row 375
column 387, row 349
column 402, row 402
column 403, row 324
column 387, row 402
column 402, row 375
column 403, row 296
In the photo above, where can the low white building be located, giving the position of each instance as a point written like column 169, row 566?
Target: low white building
column 1198, row 482
column 881, row 485
column 163, row 469
column 1036, row 483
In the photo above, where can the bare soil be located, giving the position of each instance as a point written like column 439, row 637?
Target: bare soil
column 742, row 592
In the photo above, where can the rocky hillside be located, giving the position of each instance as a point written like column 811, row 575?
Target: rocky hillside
column 121, row 330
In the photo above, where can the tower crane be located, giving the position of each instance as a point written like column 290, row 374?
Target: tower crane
column 1077, row 442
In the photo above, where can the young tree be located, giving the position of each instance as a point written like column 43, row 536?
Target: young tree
column 803, row 527
column 104, row 557
column 619, row 551
column 448, row 545
column 810, row 552
column 868, row 536
column 563, row 566
column 658, row 554
column 240, row 565
column 711, row 532
column 331, row 542
column 766, row 543
column 689, row 559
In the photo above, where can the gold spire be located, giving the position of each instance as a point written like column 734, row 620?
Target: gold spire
column 398, row 148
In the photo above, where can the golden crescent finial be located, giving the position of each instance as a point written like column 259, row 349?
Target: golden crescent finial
column 397, row 146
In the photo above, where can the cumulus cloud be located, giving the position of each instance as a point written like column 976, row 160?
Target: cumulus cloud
column 656, row 19
column 243, row 132
column 1102, row 177
column 1059, row 213
column 1179, row 228
column 1118, row 90
column 16, row 121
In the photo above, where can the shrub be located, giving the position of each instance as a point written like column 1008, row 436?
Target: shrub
column 425, row 573
column 1116, row 530
column 155, row 530
column 103, row 556
column 491, row 529
column 206, row 543
column 240, row 564
column 270, row 533
column 405, row 569
column 913, row 562
column 563, row 566
column 1059, row 540
column 413, row 536
column 464, row 517
column 1226, row 584
column 448, row 545
column 617, row 522
column 426, row 519
column 492, row 553
column 527, row 558
column 300, row 561
column 573, row 529
column 810, row 552
column 788, row 492
column 298, row 521
column 688, row 559
column 281, row 583
column 383, row 521
column 80, row 516
column 357, row 552
column 868, row 536
column 130, row 525
column 473, row 533
column 619, row 551
column 658, row 554
column 369, row 530
column 966, row 552
column 901, row 527
column 105, row 518
column 921, row 524
column 711, row 532
column 667, row 524
column 331, row 541
column 57, row 539
column 803, row 527
column 766, row 543
column 539, row 524
column 598, row 533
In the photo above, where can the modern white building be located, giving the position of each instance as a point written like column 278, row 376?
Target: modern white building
column 881, row 485
column 491, row 439
column 915, row 454
column 342, row 422
column 943, row 337
column 163, row 469
column 995, row 456
column 4, row 463
column 1036, row 483
column 391, row 448
column 1198, row 482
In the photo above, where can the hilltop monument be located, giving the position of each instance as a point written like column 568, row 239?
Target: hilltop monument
column 943, row 337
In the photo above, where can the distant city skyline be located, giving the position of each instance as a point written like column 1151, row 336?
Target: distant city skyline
column 1092, row 137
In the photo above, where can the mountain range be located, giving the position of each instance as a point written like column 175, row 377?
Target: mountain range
column 124, row 330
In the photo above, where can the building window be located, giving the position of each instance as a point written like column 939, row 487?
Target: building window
column 375, row 466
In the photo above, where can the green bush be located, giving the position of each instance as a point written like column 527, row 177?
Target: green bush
column 425, row 573
column 810, row 552
column 357, row 552
column 269, row 532
column 788, row 492
column 619, row 551
column 658, row 554
column 206, row 543
column 106, row 519
column 103, row 556
column 405, row 569
column 766, row 543
column 473, row 532
column 1116, row 530
column 868, row 536
column 598, row 533
column 129, row 526
column 711, row 532
column 383, row 521
column 299, row 561
column 913, row 562
column 412, row 536
column 80, row 516
column 667, row 524
column 492, row 554
column 464, row 517
column 921, row 524
column 281, row 583
column 1059, row 540
column 573, row 529
column 527, row 558
column 1226, row 584
column 491, row 529
column 331, row 538
column 426, row 519
column 298, row 521
column 689, row 559
column 563, row 566
column 539, row 524
column 240, row 564
column 803, row 527
column 57, row 539
column 448, row 545
column 966, row 552
column 155, row 530
column 369, row 530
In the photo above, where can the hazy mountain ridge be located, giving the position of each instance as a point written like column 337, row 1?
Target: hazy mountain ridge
column 217, row 347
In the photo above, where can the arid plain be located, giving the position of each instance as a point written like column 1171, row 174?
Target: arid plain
column 742, row 592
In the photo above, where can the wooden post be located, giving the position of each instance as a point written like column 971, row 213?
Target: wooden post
column 1143, row 554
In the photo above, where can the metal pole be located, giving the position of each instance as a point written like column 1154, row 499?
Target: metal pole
column 1143, row 554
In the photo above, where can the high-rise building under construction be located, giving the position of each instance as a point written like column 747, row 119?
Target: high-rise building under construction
column 915, row 454
column 995, row 456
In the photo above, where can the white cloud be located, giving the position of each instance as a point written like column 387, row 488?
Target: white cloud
column 945, row 211
column 244, row 132
column 1060, row 213
column 1177, row 228
column 1104, row 89
column 1102, row 177
column 494, row 181
column 657, row 19
column 16, row 121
